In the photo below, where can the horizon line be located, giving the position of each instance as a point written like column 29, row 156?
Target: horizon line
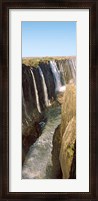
column 47, row 56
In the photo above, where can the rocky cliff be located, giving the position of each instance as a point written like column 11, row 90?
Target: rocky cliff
column 43, row 85
column 63, row 153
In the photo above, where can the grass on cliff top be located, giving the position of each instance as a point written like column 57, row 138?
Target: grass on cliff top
column 34, row 61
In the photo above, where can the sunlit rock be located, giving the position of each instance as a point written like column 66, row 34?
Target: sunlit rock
column 68, row 109
column 67, row 148
column 44, row 93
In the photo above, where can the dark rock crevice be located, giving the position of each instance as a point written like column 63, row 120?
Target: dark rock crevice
column 55, row 153
column 73, row 166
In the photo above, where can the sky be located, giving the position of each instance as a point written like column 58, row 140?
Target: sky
column 41, row 39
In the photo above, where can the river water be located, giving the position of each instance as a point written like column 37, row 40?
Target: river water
column 38, row 163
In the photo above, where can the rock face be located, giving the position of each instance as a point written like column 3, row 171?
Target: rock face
column 67, row 69
column 68, row 107
column 38, row 163
column 67, row 148
column 55, row 153
column 73, row 166
column 39, row 85
column 64, row 151
column 31, row 133
column 28, row 94
column 39, row 92
column 68, row 130
column 49, row 79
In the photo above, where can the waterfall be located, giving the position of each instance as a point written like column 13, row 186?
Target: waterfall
column 36, row 92
column 73, row 62
column 73, row 71
column 74, row 67
column 47, row 102
column 56, row 74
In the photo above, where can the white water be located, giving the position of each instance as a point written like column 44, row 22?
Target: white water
column 36, row 92
column 73, row 62
column 73, row 71
column 56, row 74
column 47, row 102
column 38, row 162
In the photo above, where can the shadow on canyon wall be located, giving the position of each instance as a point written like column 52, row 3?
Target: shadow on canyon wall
column 45, row 89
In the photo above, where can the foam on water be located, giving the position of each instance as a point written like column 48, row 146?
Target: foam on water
column 38, row 163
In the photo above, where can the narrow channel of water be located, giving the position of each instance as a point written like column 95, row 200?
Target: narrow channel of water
column 38, row 163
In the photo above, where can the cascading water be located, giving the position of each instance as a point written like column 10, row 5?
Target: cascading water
column 73, row 62
column 47, row 102
column 56, row 74
column 72, row 70
column 36, row 92
column 38, row 161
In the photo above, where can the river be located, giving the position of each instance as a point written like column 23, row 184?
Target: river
column 38, row 163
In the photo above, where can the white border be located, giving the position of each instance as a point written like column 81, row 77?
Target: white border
column 81, row 184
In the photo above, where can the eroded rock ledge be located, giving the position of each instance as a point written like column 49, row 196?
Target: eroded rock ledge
column 64, row 140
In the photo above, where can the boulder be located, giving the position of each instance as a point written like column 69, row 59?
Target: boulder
column 60, row 97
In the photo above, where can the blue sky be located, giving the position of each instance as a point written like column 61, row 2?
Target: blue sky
column 48, row 39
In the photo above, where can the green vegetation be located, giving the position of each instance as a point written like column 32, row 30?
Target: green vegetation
column 70, row 150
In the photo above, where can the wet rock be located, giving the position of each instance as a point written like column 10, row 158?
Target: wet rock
column 67, row 69
column 38, row 161
column 32, row 119
column 45, row 67
column 61, row 69
column 55, row 153
column 29, row 137
column 28, row 90
column 39, row 84
column 32, row 132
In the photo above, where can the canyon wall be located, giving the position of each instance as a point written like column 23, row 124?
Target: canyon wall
column 64, row 139
column 43, row 86
column 68, row 130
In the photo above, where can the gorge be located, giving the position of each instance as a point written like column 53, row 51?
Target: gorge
column 48, row 118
